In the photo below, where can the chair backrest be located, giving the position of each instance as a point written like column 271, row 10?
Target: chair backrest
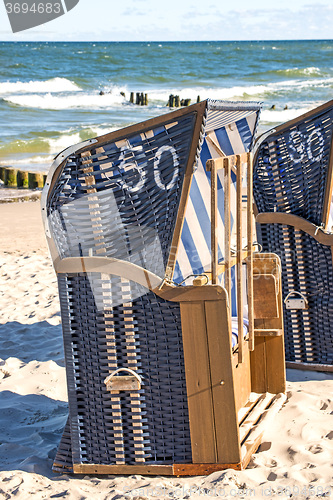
column 293, row 167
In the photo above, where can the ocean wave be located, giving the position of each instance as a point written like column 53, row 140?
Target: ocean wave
column 32, row 161
column 113, row 98
column 311, row 70
column 281, row 116
column 34, row 86
column 57, row 102
column 53, row 145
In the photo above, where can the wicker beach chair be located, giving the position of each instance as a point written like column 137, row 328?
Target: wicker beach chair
column 141, row 225
column 293, row 195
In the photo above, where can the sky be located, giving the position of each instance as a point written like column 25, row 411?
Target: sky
column 178, row 20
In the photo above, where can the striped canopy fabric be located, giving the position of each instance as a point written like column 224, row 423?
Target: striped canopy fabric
column 229, row 129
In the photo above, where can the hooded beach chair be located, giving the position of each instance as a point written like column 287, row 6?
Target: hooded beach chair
column 293, row 194
column 174, row 360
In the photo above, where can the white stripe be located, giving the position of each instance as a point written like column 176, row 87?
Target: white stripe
column 197, row 235
column 251, row 121
column 235, row 139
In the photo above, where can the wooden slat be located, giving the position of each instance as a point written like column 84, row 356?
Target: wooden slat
column 245, row 410
column 257, row 432
column 108, row 265
column 239, row 271
column 227, row 229
column 218, row 321
column 191, row 293
column 163, row 470
column 329, row 190
column 132, row 363
column 267, row 333
column 254, row 416
column 214, row 235
column 203, row 469
column 258, row 366
column 309, row 366
column 265, row 296
column 215, row 145
column 198, row 382
column 242, row 379
column 249, row 266
column 298, row 223
column 276, row 367
column 233, row 159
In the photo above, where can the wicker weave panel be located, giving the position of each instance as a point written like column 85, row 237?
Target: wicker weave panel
column 143, row 334
column 290, row 171
column 306, row 268
column 121, row 200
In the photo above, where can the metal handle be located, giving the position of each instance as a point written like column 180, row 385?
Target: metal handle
column 298, row 293
column 132, row 372
column 131, row 382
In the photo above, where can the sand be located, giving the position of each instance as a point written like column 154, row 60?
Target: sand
column 295, row 459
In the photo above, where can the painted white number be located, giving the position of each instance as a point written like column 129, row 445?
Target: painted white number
column 157, row 159
column 302, row 145
column 131, row 164
column 127, row 164
column 320, row 139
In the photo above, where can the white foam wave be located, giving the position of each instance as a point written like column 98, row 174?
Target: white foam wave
column 311, row 70
column 63, row 142
column 281, row 116
column 238, row 92
column 51, row 101
column 35, row 86
column 36, row 160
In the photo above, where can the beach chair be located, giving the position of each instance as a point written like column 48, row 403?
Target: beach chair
column 172, row 324
column 293, row 195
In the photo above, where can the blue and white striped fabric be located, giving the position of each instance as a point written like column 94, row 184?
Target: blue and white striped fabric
column 231, row 128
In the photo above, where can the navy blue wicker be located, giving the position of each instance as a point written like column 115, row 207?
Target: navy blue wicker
column 306, row 268
column 293, row 175
column 292, row 165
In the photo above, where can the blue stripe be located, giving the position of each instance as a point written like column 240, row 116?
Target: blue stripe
column 245, row 133
column 177, row 276
column 224, row 141
column 233, row 292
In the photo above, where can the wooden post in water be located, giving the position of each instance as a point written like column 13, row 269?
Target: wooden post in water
column 35, row 180
column 23, row 179
column 10, row 177
column 2, row 173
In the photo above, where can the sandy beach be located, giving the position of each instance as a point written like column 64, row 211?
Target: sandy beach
column 295, row 459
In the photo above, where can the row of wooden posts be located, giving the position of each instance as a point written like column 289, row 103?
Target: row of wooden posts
column 174, row 101
column 11, row 177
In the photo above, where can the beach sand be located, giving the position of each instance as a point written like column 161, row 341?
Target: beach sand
column 295, row 459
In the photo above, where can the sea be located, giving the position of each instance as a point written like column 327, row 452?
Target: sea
column 54, row 95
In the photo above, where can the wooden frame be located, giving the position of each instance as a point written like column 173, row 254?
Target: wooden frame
column 235, row 163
